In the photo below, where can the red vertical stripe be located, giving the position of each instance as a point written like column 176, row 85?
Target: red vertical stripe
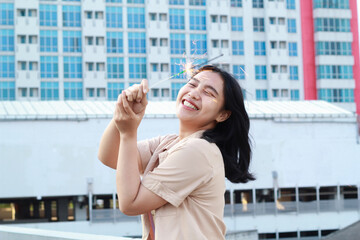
column 355, row 52
column 308, row 48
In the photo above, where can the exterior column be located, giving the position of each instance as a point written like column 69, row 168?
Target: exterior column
column 355, row 53
column 308, row 49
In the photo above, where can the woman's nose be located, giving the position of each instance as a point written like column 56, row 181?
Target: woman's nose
column 194, row 93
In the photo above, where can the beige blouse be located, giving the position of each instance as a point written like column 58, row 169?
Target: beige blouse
column 189, row 174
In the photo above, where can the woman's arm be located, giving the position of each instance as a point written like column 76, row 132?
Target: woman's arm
column 109, row 145
column 133, row 198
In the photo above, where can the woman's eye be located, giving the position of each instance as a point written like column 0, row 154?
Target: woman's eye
column 209, row 93
column 191, row 84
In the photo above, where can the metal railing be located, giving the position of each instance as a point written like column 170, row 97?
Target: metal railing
column 112, row 215
column 270, row 208
column 263, row 208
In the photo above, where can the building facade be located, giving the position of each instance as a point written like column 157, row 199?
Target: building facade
column 92, row 49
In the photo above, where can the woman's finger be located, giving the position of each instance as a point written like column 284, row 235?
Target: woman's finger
column 119, row 97
column 129, row 95
column 120, row 104
column 127, row 107
column 145, row 85
column 139, row 94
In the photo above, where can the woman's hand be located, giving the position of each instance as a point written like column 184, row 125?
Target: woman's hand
column 130, row 108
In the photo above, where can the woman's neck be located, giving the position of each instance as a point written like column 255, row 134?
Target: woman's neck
column 186, row 131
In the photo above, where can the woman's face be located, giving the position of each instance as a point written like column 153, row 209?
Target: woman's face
column 200, row 102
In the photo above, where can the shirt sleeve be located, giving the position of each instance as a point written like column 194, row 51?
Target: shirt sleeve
column 146, row 149
column 183, row 170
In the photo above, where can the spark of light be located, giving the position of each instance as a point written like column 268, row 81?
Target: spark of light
column 189, row 69
column 244, row 71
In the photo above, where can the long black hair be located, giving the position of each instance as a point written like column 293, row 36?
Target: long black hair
column 232, row 135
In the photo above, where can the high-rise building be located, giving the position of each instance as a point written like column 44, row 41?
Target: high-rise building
column 93, row 49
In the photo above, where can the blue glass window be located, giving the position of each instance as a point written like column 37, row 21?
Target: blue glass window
column 177, row 43
column 332, row 25
column 334, row 72
column 7, row 66
column 113, row 90
column 132, row 83
column 72, row 67
column 333, row 48
column 137, row 42
column 292, row 49
column 260, row 72
column 290, row 4
column 136, row 17
column 197, row 2
column 71, row 0
column 337, row 4
column 137, row 67
column 198, row 44
column 294, row 94
column 48, row 41
column 49, row 67
column 259, row 48
column 6, row 14
column 336, row 95
column 73, row 90
column 291, row 25
column 71, row 16
column 239, row 71
column 261, row 94
column 48, row 15
column 72, row 41
column 115, row 67
column 237, row 47
column 237, row 24
column 176, row 2
column 177, row 18
column 114, row 1
column 197, row 19
column 7, row 90
column 236, row 3
column 294, row 73
column 114, row 17
column 258, row 25
column 114, row 42
column 135, row 1
column 32, row 66
column 6, row 40
column 177, row 65
column 175, row 88
column 258, row 3
column 49, row 90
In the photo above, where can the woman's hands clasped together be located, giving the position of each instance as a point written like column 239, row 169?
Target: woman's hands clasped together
column 130, row 108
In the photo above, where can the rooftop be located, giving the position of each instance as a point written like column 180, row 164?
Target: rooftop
column 83, row 110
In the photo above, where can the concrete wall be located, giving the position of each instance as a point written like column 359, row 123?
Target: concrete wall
column 56, row 158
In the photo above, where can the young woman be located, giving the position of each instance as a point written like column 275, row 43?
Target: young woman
column 181, row 193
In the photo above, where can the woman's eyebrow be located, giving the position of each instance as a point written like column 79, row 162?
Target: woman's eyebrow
column 206, row 86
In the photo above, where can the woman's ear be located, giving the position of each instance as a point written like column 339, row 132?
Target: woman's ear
column 224, row 115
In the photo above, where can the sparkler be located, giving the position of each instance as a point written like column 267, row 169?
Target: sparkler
column 189, row 68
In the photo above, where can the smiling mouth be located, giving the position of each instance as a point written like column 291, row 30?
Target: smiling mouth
column 190, row 105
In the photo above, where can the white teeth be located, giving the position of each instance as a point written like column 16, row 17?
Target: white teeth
column 186, row 103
